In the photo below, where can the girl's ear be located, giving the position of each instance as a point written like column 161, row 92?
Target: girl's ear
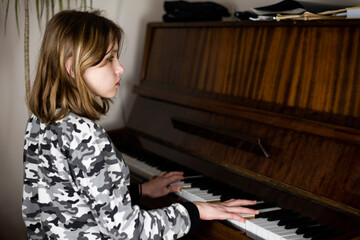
column 68, row 66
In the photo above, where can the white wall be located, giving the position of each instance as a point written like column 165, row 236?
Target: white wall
column 132, row 15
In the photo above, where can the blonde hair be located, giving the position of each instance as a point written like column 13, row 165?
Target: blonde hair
column 84, row 37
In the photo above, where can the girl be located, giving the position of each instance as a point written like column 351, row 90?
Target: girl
column 75, row 186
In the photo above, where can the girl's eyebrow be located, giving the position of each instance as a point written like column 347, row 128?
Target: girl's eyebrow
column 111, row 52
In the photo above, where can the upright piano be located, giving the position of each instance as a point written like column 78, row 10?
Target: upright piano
column 258, row 110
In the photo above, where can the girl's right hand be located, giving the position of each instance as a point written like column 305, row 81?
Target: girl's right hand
column 225, row 210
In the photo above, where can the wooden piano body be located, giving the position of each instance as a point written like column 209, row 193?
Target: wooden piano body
column 272, row 108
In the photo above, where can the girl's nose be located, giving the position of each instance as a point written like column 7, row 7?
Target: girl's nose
column 119, row 69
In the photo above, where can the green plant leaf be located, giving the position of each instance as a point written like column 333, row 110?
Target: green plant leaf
column 42, row 8
column 6, row 14
column 61, row 5
column 17, row 16
column 38, row 13
column 52, row 8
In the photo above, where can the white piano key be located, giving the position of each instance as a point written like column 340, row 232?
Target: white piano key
column 189, row 196
column 286, row 234
column 192, row 195
column 294, row 237
column 197, row 190
column 261, row 226
column 250, row 228
column 140, row 168
column 269, row 230
column 272, row 232
column 182, row 184
column 237, row 224
column 269, row 209
column 212, row 198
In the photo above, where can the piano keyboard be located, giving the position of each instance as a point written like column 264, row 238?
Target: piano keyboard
column 272, row 223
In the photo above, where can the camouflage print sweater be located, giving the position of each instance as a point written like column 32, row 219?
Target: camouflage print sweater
column 75, row 187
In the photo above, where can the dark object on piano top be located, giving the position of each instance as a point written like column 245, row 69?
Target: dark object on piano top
column 295, row 7
column 246, row 15
column 182, row 11
column 283, row 7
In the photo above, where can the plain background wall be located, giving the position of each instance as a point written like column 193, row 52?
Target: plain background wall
column 132, row 16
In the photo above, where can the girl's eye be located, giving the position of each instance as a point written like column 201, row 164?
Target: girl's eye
column 110, row 59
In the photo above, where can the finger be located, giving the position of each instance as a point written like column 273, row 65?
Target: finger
column 173, row 179
column 166, row 190
column 174, row 188
column 240, row 210
column 236, row 217
column 174, row 173
column 235, row 213
column 161, row 174
column 229, row 201
column 239, row 202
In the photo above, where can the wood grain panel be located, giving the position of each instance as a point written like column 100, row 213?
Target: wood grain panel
column 308, row 66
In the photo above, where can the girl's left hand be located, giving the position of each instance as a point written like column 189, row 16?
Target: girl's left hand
column 159, row 185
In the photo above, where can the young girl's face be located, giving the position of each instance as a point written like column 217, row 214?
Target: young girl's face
column 104, row 78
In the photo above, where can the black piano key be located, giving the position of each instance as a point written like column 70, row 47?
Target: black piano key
column 318, row 232
column 229, row 193
column 234, row 193
column 280, row 214
column 246, row 195
column 311, row 229
column 218, row 192
column 301, row 224
column 215, row 189
column 202, row 183
column 263, row 206
column 195, row 181
column 224, row 190
column 190, row 172
column 332, row 233
column 268, row 213
column 265, row 214
column 292, row 219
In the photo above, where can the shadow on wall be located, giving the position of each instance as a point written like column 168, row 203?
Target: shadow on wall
column 12, row 231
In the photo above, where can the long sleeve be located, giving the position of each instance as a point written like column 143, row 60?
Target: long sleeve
column 90, row 192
